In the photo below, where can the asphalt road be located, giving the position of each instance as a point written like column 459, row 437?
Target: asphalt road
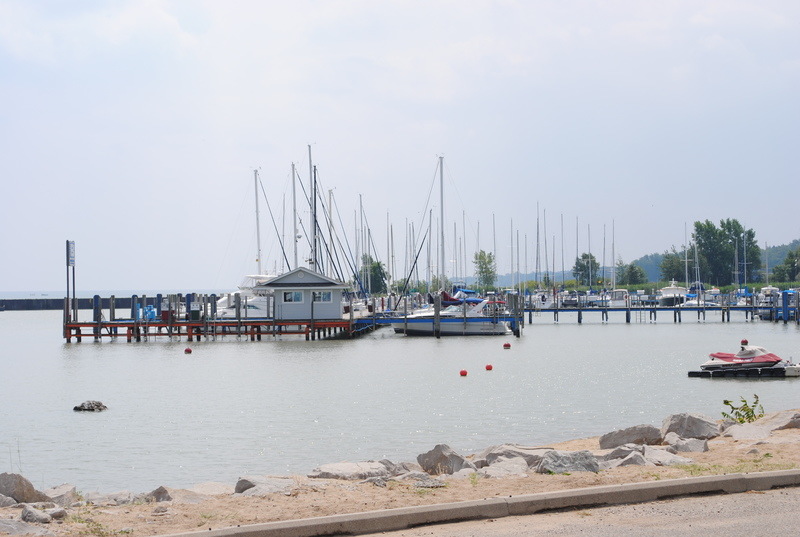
column 749, row 514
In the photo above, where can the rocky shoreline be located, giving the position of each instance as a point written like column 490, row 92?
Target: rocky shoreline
column 683, row 441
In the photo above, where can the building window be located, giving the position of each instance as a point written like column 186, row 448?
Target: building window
column 293, row 296
column 322, row 296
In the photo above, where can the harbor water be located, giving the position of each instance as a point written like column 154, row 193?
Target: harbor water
column 235, row 407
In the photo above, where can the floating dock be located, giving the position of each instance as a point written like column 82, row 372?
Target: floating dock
column 749, row 372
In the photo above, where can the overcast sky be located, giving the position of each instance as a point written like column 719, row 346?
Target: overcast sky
column 134, row 127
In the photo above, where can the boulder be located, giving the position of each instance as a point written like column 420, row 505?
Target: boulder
column 7, row 501
column 64, row 495
column 504, row 452
column 662, row 457
column 634, row 458
column 115, row 498
column 443, row 460
column 17, row 487
column 57, row 513
column 18, row 527
column 260, row 486
column 90, row 406
column 166, row 494
column 505, row 467
column 690, row 425
column 560, row 462
column 35, row 516
column 694, row 445
column 763, row 427
column 351, row 471
column 638, row 434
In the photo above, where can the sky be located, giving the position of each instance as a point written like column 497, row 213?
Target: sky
column 134, row 129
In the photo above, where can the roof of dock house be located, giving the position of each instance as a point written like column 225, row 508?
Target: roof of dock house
column 301, row 278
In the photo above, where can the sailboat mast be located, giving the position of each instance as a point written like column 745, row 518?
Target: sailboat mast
column 441, row 219
column 258, row 220
column 313, row 189
column 294, row 216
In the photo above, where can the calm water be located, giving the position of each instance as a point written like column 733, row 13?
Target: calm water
column 233, row 407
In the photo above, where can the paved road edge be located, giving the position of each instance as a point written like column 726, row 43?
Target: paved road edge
column 528, row 504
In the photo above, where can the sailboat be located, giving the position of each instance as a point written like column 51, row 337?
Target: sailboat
column 470, row 317
column 254, row 300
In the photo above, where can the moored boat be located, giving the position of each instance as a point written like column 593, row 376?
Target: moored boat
column 749, row 356
column 486, row 318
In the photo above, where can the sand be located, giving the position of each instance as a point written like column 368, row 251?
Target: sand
column 316, row 497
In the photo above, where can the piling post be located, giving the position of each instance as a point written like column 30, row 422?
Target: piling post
column 67, row 330
column 237, row 301
column 437, row 321
column 97, row 316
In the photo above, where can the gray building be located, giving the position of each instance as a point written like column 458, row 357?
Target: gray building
column 302, row 294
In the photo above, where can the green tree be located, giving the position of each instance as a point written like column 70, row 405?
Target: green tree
column 373, row 276
column 673, row 266
column 585, row 269
column 720, row 249
column 485, row 269
column 789, row 269
column 630, row 274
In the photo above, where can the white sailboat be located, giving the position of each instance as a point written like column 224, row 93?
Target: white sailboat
column 254, row 301
column 471, row 317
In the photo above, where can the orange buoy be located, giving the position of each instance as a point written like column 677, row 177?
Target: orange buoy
column 489, row 367
column 463, row 373
column 506, row 345
column 187, row 350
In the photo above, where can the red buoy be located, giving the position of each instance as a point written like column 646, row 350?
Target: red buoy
column 463, row 373
column 506, row 345
column 744, row 342
column 488, row 367
column 187, row 350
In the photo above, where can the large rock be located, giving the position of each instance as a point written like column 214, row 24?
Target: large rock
column 560, row 462
column 763, row 427
column 35, row 516
column 634, row 458
column 443, row 460
column 638, row 434
column 662, row 457
column 351, row 471
column 115, row 498
column 492, row 455
column 64, row 495
column 506, row 467
column 17, row 487
column 692, row 445
column 690, row 425
column 166, row 494
column 7, row 501
column 18, row 527
column 90, row 406
column 260, row 486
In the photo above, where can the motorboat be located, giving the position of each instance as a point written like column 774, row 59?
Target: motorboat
column 671, row 295
column 749, row 356
column 486, row 317
column 254, row 300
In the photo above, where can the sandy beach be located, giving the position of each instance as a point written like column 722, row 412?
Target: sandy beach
column 213, row 506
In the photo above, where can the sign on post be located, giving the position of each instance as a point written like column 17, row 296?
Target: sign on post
column 70, row 253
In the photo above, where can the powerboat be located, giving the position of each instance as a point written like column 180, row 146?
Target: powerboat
column 484, row 318
column 749, row 356
column 671, row 295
